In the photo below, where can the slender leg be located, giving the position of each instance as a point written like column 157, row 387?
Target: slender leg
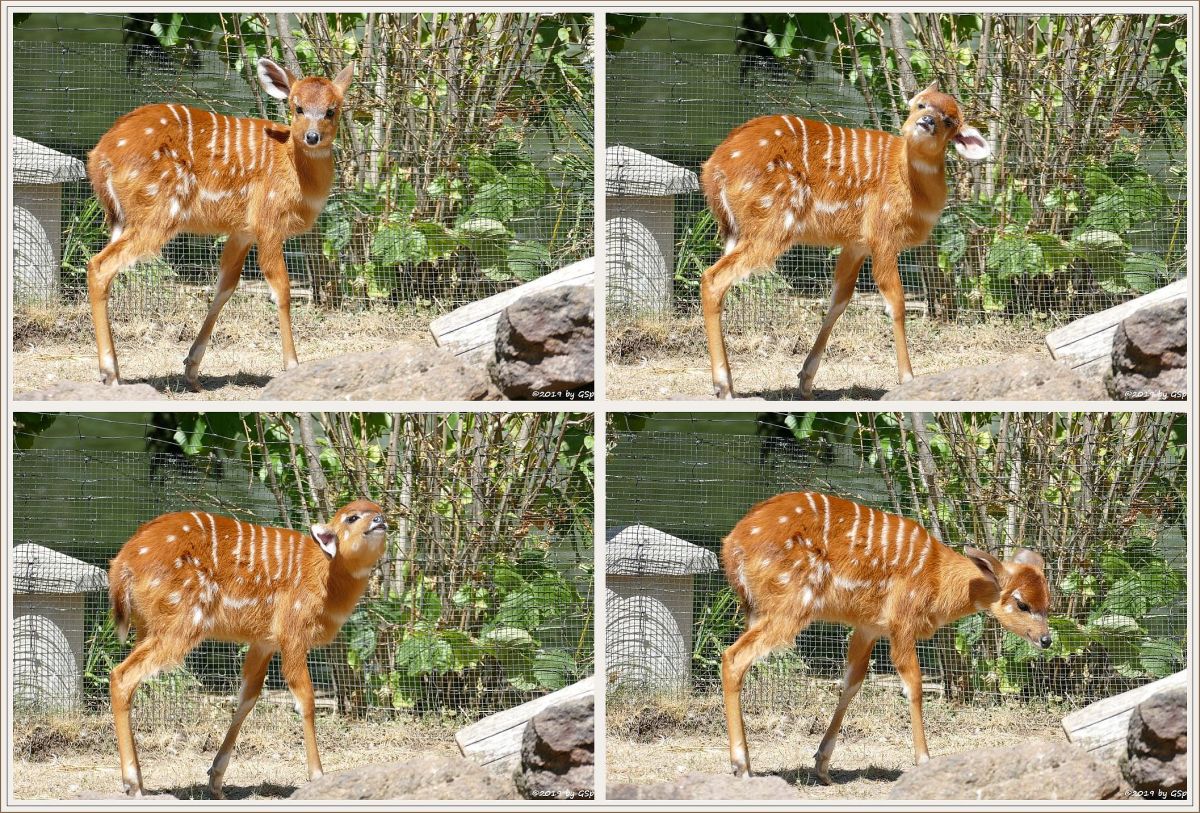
column 845, row 275
column 270, row 256
column 887, row 277
column 295, row 671
column 904, row 657
column 857, row 660
column 749, row 253
column 762, row 637
column 151, row 655
column 254, row 671
column 233, row 257
column 125, row 249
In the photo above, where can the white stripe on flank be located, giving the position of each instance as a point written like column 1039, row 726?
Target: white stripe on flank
column 198, row 522
column 291, row 553
column 213, row 523
column 250, row 562
column 842, row 151
column 912, row 544
column 788, row 122
column 883, row 539
column 250, row 139
column 870, row 529
column 174, row 113
column 278, row 555
column 899, row 541
column 803, row 144
column 262, row 157
column 811, row 502
column 885, row 151
column 237, row 549
column 924, row 553
column 266, row 564
column 854, row 528
column 825, row 534
column 854, row 153
column 212, row 138
column 829, row 142
column 867, row 157
column 226, row 155
column 188, row 115
column 237, row 141
column 299, row 561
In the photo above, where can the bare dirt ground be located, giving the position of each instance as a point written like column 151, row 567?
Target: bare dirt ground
column 60, row 758
column 661, row 739
column 667, row 358
column 245, row 351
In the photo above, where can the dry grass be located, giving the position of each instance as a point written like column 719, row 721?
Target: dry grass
column 245, row 352
column 661, row 738
column 61, row 757
column 665, row 357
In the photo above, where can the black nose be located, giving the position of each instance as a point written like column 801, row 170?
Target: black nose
column 311, row 138
column 927, row 121
column 1045, row 642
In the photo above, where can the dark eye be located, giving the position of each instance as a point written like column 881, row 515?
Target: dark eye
column 352, row 518
column 329, row 113
column 1022, row 606
column 948, row 121
column 920, row 105
column 299, row 110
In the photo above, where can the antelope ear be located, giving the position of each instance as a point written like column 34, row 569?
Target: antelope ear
column 276, row 80
column 326, row 538
column 342, row 80
column 1027, row 557
column 971, row 145
column 989, row 565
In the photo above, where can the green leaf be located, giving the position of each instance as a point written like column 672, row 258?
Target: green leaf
column 528, row 260
column 1014, row 256
column 554, row 669
column 1108, row 212
column 1103, row 250
column 398, row 242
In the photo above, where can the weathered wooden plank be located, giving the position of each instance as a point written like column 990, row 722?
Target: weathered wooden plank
column 1087, row 342
column 1101, row 728
column 495, row 741
column 469, row 331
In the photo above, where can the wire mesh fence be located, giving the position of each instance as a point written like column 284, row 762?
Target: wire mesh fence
column 462, row 165
column 483, row 599
column 1100, row 496
column 1081, row 205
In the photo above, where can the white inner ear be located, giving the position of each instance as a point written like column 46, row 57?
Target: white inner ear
column 971, row 144
column 267, row 79
column 326, row 538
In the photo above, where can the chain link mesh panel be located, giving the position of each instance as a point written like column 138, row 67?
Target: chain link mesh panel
column 1081, row 206
column 476, row 607
column 1101, row 497
column 463, row 163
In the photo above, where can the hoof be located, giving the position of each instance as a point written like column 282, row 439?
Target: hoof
column 110, row 379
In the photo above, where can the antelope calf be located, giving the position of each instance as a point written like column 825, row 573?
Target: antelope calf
column 780, row 181
column 803, row 557
column 187, row 577
column 168, row 168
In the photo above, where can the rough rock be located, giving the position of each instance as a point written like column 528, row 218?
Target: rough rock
column 1038, row 769
column 545, row 342
column 91, row 391
column 558, row 752
column 1149, row 354
column 1021, row 378
column 1157, row 743
column 426, row 778
column 708, row 786
column 405, row 372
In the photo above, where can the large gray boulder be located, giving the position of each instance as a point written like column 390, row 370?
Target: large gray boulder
column 1149, row 354
column 1038, row 769
column 426, row 778
column 1156, row 760
column 91, row 391
column 709, row 786
column 545, row 342
column 404, row 372
column 1021, row 378
column 558, row 752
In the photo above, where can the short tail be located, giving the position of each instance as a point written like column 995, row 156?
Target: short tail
column 734, row 577
column 712, row 181
column 119, row 578
column 99, row 171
